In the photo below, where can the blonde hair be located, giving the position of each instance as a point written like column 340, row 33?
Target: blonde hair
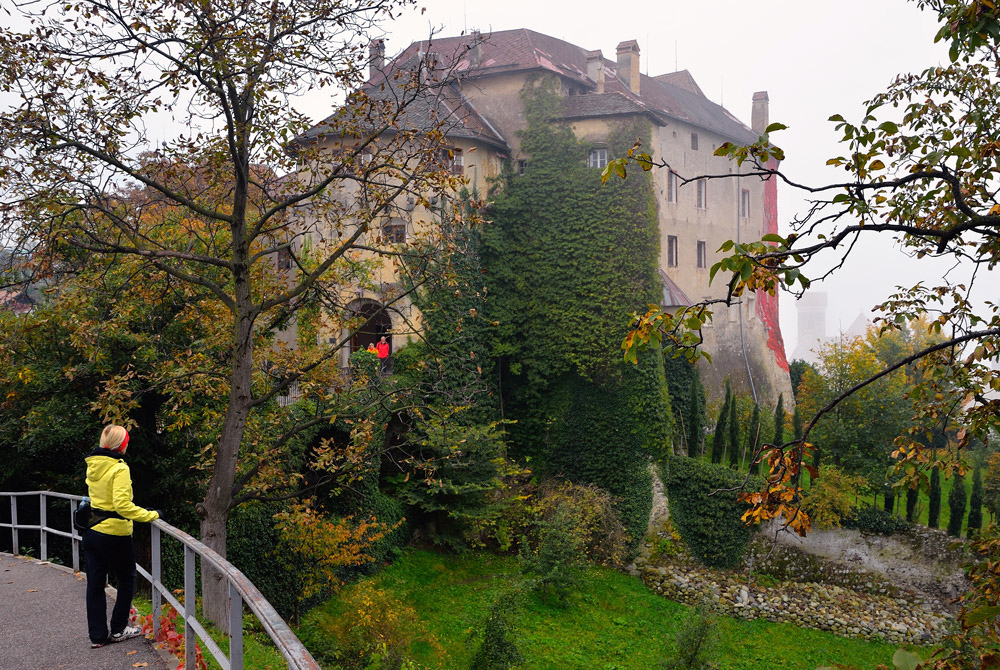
column 112, row 437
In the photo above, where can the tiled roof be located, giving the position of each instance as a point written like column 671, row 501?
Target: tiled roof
column 681, row 79
column 602, row 104
column 441, row 105
column 674, row 95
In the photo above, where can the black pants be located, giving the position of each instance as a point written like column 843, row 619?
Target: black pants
column 108, row 555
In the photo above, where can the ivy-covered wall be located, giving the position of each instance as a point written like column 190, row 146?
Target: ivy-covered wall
column 567, row 261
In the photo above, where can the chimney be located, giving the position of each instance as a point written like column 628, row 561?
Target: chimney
column 595, row 69
column 759, row 115
column 628, row 64
column 376, row 57
column 475, row 50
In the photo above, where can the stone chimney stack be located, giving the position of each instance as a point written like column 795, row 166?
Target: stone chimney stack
column 759, row 116
column 595, row 69
column 475, row 50
column 376, row 57
column 628, row 64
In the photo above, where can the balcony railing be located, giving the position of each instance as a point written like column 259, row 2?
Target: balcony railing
column 241, row 590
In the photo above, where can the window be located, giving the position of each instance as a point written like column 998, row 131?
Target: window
column 671, row 186
column 702, row 254
column 745, row 203
column 672, row 251
column 598, row 158
column 694, row 141
column 284, row 259
column 394, row 232
column 522, row 166
column 702, row 194
column 451, row 159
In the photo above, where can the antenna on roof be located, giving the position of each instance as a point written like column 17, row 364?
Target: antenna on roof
column 647, row 54
column 722, row 90
column 465, row 17
column 675, row 57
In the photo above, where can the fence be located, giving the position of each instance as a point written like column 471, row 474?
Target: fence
column 241, row 590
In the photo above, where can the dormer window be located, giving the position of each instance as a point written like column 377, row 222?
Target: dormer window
column 598, row 158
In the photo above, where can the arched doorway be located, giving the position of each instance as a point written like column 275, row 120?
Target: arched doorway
column 375, row 323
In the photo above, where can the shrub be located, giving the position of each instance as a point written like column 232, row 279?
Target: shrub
column 556, row 561
column 693, row 642
column 316, row 546
column 368, row 626
column 872, row 520
column 976, row 501
column 934, row 504
column 592, row 513
column 831, row 497
column 498, row 649
column 721, row 434
column 710, row 525
column 956, row 499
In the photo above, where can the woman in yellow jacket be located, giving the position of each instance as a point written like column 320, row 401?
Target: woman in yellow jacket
column 108, row 545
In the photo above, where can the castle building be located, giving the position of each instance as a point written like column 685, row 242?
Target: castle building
column 485, row 75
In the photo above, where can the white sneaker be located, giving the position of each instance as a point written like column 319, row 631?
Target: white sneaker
column 128, row 633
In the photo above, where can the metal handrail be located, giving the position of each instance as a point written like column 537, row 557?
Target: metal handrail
column 241, row 589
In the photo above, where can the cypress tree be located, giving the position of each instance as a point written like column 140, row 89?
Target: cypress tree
column 976, row 501
column 694, row 420
column 734, row 435
column 779, row 421
column 912, row 495
column 753, row 438
column 956, row 499
column 719, row 439
column 934, row 506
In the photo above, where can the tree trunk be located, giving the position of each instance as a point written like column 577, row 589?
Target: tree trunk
column 214, row 510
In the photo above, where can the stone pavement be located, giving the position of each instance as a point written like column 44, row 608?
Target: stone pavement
column 43, row 623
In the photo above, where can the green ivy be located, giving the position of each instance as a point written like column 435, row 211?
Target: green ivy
column 706, row 515
column 568, row 261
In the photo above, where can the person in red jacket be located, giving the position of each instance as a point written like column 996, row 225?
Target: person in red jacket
column 382, row 349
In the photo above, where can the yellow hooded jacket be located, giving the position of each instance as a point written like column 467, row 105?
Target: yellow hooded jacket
column 110, row 485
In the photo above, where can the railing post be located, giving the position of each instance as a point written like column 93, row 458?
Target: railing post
column 43, row 526
column 154, row 540
column 190, row 606
column 74, row 539
column 13, row 526
column 235, row 628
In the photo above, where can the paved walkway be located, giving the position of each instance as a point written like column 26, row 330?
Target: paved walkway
column 43, row 623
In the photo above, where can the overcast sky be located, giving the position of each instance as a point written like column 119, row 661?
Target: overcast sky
column 813, row 58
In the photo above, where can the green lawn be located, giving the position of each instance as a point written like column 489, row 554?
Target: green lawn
column 612, row 623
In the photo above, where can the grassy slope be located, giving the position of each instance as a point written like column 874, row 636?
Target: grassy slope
column 613, row 623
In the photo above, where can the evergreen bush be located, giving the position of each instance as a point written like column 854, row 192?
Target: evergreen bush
column 874, row 520
column 754, row 438
column 912, row 495
column 498, row 649
column 975, row 522
column 733, row 444
column 555, row 563
column 707, row 518
column 934, row 504
column 694, row 642
column 721, row 433
column 956, row 500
